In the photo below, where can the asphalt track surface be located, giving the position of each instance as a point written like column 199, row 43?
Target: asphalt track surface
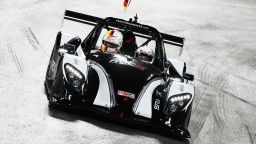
column 220, row 50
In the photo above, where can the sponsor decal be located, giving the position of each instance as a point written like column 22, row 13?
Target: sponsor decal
column 126, row 94
column 141, row 67
column 132, row 24
column 76, row 61
column 52, row 66
column 181, row 88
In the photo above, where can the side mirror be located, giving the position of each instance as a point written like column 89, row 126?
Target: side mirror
column 70, row 47
column 188, row 76
column 67, row 48
column 76, row 41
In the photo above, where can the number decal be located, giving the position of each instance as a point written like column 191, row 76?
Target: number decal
column 156, row 105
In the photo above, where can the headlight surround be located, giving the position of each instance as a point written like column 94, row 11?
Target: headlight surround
column 177, row 102
column 74, row 76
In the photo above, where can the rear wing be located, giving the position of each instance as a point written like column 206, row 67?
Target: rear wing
column 91, row 20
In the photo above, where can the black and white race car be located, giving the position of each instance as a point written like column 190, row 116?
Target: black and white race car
column 121, row 85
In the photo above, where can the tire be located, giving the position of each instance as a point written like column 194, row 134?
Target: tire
column 187, row 120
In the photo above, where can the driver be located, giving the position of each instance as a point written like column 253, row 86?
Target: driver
column 145, row 54
column 112, row 42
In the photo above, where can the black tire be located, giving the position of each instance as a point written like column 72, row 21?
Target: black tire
column 186, row 123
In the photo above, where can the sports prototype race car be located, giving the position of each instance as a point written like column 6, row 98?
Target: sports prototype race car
column 121, row 69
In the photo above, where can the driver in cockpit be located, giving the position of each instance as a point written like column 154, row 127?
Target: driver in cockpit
column 112, row 42
column 145, row 54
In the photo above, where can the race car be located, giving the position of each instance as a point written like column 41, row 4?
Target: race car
column 120, row 69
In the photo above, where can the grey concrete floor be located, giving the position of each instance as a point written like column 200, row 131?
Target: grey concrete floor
column 220, row 50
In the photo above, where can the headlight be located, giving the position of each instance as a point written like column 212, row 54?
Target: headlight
column 180, row 98
column 74, row 76
column 177, row 103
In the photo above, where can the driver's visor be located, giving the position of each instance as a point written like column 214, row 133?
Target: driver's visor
column 109, row 44
column 145, row 57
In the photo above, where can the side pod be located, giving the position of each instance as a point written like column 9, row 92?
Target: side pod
column 143, row 105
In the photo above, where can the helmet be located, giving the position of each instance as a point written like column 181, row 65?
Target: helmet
column 145, row 54
column 112, row 41
column 129, row 45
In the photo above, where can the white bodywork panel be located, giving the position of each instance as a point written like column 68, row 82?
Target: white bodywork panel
column 80, row 52
column 77, row 62
column 179, row 88
column 143, row 105
column 104, row 93
column 178, row 65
